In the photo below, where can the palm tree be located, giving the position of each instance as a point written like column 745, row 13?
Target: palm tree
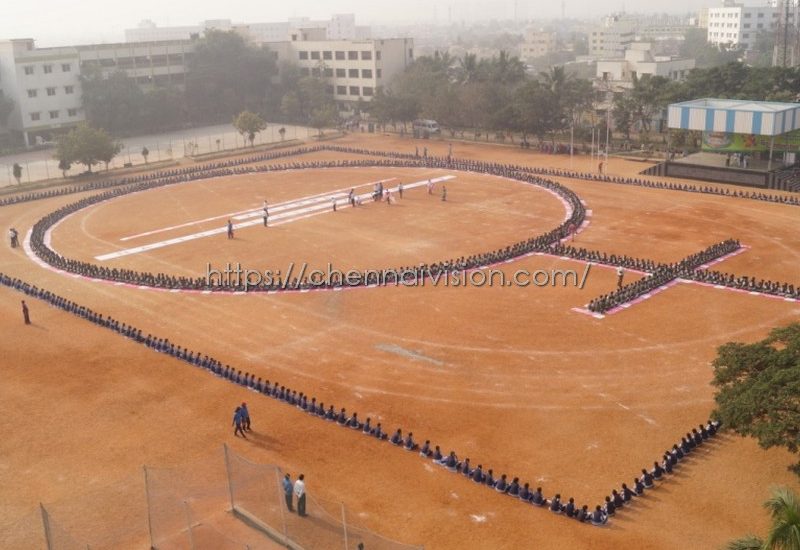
column 784, row 534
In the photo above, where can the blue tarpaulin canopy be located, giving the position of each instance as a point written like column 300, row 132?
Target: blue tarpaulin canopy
column 735, row 116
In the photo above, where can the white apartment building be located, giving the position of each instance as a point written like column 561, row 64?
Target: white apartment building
column 354, row 69
column 44, row 86
column 538, row 43
column 44, row 83
column 639, row 61
column 735, row 25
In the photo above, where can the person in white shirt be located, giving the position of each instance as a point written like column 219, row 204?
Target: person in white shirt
column 300, row 493
column 620, row 276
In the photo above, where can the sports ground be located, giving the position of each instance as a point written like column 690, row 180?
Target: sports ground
column 511, row 377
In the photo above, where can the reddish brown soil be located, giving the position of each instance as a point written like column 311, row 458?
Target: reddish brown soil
column 510, row 377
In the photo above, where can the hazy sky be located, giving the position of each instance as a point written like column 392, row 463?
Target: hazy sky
column 56, row 22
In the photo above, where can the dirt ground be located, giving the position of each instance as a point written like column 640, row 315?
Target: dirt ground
column 510, row 377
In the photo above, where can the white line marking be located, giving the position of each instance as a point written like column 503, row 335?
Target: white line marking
column 240, row 212
column 293, row 214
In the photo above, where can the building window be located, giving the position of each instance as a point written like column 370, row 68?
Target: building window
column 305, row 71
column 352, row 56
column 366, row 73
column 327, row 72
column 303, row 55
column 378, row 55
column 366, row 56
column 352, row 73
column 34, row 116
column 410, row 53
column 353, row 90
column 378, row 73
column 32, row 93
column 340, row 56
column 69, row 89
column 28, row 69
column 327, row 56
column 761, row 14
column 366, row 90
column 66, row 67
column 315, row 55
column 341, row 73
column 341, row 90
column 47, row 69
column 72, row 112
column 51, row 91
column 315, row 72
column 53, row 114
column 746, row 35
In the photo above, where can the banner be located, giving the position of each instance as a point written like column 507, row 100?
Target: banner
column 722, row 142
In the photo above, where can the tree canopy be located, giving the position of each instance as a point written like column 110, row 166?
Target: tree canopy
column 86, row 145
column 758, row 389
column 227, row 75
column 248, row 124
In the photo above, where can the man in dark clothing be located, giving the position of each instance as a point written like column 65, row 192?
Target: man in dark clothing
column 288, row 490
column 25, row 314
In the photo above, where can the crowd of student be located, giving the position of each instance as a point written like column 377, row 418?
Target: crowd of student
column 663, row 274
column 597, row 257
column 751, row 284
column 541, row 243
column 341, row 417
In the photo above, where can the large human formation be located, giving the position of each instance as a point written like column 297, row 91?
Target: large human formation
column 501, row 483
column 550, row 242
column 539, row 243
column 661, row 275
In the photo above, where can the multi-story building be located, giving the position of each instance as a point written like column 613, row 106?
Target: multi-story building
column 354, row 69
column 45, row 84
column 612, row 39
column 735, row 25
column 538, row 43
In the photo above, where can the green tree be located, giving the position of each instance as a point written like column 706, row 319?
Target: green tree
column 115, row 103
column 623, row 113
column 784, row 533
column 758, row 389
column 227, row 75
column 145, row 153
column 249, row 124
column 17, row 171
column 88, row 146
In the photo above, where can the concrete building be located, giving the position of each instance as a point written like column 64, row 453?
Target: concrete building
column 538, row 43
column 639, row 61
column 45, row 85
column 736, row 25
column 612, row 39
column 354, row 69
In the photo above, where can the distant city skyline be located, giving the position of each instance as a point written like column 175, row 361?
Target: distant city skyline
column 54, row 23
